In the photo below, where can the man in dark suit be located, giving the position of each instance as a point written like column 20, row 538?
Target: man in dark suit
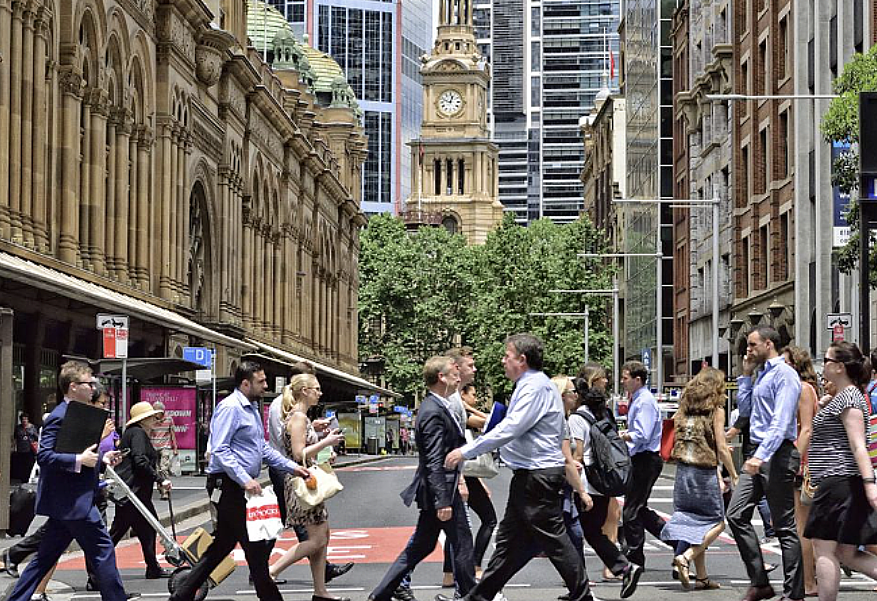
column 72, row 515
column 435, row 488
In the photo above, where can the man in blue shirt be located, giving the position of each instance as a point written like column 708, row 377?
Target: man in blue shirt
column 643, row 437
column 529, row 439
column 771, row 403
column 237, row 448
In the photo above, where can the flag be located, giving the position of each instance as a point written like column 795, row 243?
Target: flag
column 611, row 65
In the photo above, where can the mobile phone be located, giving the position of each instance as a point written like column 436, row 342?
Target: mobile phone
column 124, row 452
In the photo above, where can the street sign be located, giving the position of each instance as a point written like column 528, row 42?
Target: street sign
column 106, row 320
column 200, row 355
column 279, row 383
column 115, row 343
column 833, row 319
column 837, row 333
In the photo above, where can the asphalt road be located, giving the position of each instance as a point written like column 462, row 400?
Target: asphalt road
column 370, row 525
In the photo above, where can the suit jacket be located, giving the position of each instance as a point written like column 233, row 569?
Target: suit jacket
column 139, row 468
column 62, row 493
column 437, row 434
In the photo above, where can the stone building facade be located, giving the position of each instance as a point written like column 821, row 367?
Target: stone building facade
column 764, row 234
column 151, row 164
column 702, row 147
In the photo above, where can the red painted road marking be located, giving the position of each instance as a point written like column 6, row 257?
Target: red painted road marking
column 363, row 545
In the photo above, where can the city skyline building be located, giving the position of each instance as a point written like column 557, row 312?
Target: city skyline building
column 549, row 61
column 647, row 85
column 379, row 45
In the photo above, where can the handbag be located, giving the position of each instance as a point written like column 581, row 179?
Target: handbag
column 668, row 439
column 482, row 466
column 263, row 516
column 176, row 467
column 327, row 487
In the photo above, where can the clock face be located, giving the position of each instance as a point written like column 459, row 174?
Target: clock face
column 450, row 102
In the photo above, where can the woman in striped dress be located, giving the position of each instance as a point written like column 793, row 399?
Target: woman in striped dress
column 698, row 511
column 844, row 511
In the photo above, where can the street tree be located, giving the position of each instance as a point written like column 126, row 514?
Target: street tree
column 840, row 124
column 422, row 294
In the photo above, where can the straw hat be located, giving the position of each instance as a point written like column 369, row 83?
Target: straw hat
column 141, row 411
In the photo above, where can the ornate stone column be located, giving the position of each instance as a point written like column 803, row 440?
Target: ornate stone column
column 246, row 269
column 133, row 197
column 144, row 150
column 27, row 112
column 123, row 198
column 278, row 294
column 14, row 140
column 41, row 173
column 185, row 210
column 224, row 227
column 165, row 176
column 108, row 219
column 258, row 285
column 97, row 189
column 5, row 112
column 288, row 269
column 84, row 132
column 269, row 284
column 68, row 234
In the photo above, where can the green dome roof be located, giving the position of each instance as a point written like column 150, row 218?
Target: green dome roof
column 263, row 23
column 324, row 67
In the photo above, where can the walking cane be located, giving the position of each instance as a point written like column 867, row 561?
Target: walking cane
column 170, row 506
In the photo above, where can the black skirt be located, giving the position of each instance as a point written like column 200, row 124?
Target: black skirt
column 841, row 512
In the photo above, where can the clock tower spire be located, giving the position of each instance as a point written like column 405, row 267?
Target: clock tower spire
column 454, row 162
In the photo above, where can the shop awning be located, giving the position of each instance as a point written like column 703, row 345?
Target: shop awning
column 146, row 368
column 360, row 383
column 46, row 278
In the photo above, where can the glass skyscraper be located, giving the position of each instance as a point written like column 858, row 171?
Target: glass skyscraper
column 550, row 58
column 378, row 44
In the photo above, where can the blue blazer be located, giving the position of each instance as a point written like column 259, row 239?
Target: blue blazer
column 62, row 493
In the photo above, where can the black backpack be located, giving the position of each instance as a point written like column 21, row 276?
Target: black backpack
column 610, row 469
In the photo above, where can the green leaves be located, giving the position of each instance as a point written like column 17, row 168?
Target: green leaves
column 424, row 293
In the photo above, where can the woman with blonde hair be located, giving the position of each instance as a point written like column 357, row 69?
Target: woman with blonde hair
column 698, row 511
column 302, row 446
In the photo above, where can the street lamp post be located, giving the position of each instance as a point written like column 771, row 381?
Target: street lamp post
column 687, row 203
column 616, row 369
column 659, row 360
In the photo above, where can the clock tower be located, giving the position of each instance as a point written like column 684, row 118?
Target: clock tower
column 455, row 179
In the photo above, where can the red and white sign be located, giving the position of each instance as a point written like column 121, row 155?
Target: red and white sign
column 837, row 333
column 115, row 343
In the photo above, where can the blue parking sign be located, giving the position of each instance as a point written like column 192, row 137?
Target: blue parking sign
column 200, row 355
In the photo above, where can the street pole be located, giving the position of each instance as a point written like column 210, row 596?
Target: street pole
column 616, row 332
column 124, row 390
column 659, row 321
column 715, row 282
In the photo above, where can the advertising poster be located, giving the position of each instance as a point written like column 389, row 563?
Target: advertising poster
column 841, row 229
column 350, row 423
column 179, row 403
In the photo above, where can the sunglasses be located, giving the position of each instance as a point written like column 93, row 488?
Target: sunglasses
column 828, row 359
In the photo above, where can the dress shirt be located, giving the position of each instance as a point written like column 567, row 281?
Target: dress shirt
column 237, row 444
column 644, row 423
column 275, row 426
column 772, row 406
column 529, row 436
column 454, row 404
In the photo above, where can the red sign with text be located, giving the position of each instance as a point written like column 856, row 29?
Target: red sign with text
column 179, row 403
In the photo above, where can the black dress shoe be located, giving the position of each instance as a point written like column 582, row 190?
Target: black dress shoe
column 320, row 598
column 155, row 574
column 441, row 597
column 334, row 570
column 9, row 567
column 403, row 593
column 132, row 595
column 91, row 585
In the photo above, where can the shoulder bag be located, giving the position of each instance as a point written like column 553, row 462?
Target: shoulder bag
column 327, row 487
column 482, row 466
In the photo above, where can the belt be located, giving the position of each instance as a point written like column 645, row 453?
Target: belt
column 542, row 470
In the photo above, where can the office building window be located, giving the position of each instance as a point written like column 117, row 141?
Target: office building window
column 783, row 48
column 437, row 176
column 450, row 177
column 461, row 174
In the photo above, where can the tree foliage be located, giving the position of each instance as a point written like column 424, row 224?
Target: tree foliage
column 841, row 124
column 422, row 294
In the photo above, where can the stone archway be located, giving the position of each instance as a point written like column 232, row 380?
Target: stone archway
column 199, row 264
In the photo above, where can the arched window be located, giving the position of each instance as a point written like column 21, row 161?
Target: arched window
column 449, row 222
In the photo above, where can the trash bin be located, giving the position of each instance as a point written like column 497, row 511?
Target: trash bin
column 371, row 446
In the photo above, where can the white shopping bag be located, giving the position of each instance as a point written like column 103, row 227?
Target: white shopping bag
column 263, row 516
